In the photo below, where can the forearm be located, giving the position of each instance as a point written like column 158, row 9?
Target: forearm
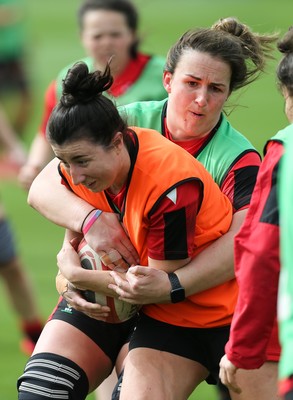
column 40, row 152
column 58, row 205
column 96, row 281
column 214, row 265
column 71, row 269
column 8, row 137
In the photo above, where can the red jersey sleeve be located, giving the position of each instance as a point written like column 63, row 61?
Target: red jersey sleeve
column 239, row 183
column 50, row 102
column 257, row 267
column 172, row 224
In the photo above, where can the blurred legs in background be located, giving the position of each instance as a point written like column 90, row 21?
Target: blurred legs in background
column 19, row 289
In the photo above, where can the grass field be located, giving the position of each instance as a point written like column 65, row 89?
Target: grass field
column 52, row 43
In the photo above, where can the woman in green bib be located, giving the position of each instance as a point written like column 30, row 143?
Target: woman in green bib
column 108, row 30
column 203, row 68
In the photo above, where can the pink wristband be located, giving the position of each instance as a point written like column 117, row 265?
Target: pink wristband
column 90, row 222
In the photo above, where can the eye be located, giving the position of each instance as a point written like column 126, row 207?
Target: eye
column 116, row 35
column 83, row 163
column 216, row 89
column 192, row 83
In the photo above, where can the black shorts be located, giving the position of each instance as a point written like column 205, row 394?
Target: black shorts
column 109, row 337
column 206, row 346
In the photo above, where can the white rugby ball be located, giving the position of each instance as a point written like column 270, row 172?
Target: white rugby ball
column 120, row 310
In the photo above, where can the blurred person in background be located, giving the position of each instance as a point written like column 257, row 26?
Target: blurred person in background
column 108, row 28
column 285, row 297
column 203, row 68
column 254, row 327
column 19, row 289
column 15, row 90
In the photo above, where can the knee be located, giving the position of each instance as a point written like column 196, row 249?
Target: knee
column 49, row 375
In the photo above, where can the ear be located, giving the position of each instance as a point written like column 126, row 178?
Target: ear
column 167, row 79
column 117, row 141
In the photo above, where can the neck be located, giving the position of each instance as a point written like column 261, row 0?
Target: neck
column 116, row 68
column 122, row 175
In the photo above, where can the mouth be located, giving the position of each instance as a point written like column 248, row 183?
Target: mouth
column 90, row 185
column 196, row 114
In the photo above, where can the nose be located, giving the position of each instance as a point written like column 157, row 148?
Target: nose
column 76, row 175
column 106, row 41
column 201, row 97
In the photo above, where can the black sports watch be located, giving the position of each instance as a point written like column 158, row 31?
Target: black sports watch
column 177, row 291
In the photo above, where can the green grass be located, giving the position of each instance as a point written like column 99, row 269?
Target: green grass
column 52, row 43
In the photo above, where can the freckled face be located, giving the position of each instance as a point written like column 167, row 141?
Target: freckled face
column 198, row 90
column 93, row 166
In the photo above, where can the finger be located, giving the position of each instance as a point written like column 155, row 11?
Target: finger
column 117, row 289
column 233, row 384
column 127, row 297
column 139, row 270
column 113, row 259
column 120, row 266
column 222, row 375
column 229, row 380
column 119, row 281
column 128, row 252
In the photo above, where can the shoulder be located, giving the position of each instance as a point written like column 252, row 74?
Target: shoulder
column 143, row 105
column 143, row 112
column 281, row 136
column 237, row 138
column 157, row 60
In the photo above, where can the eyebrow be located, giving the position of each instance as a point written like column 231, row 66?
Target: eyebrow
column 211, row 83
column 73, row 159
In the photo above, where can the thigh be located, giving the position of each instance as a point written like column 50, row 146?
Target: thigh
column 61, row 338
column 152, row 374
column 258, row 384
column 109, row 337
column 202, row 345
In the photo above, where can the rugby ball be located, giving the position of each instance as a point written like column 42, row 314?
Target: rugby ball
column 120, row 310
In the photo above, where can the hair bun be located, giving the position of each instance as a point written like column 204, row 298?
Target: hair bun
column 285, row 45
column 81, row 87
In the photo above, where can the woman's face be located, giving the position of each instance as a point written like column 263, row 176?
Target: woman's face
column 198, row 90
column 104, row 34
column 94, row 166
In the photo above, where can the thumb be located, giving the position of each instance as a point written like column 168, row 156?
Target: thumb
column 138, row 270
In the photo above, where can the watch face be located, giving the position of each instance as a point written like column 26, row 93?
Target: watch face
column 177, row 295
column 177, row 291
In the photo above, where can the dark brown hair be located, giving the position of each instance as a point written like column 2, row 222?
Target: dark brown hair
column 83, row 112
column 230, row 41
column 285, row 67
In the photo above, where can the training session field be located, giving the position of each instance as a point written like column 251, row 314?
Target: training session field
column 52, row 43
